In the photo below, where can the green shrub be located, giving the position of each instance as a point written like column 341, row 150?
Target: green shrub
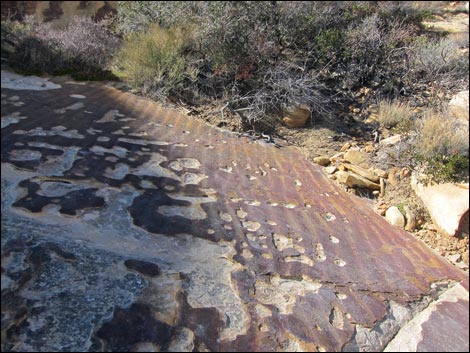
column 12, row 32
column 441, row 168
column 330, row 43
column 154, row 61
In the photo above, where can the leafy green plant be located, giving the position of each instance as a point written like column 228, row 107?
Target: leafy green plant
column 453, row 168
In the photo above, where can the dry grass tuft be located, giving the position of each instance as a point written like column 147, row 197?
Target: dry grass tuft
column 396, row 115
column 443, row 135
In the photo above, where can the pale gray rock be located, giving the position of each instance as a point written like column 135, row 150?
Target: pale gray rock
column 458, row 105
column 395, row 217
column 447, row 204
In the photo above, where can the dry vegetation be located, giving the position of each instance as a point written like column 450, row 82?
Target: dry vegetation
column 396, row 115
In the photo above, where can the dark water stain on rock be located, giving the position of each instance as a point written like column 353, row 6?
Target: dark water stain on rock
column 69, row 203
column 144, row 212
column 144, row 267
column 206, row 323
column 132, row 326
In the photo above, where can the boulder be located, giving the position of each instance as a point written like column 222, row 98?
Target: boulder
column 382, row 187
column 395, row 217
column 354, row 180
column 322, row 160
column 355, row 157
column 362, row 172
column 297, row 116
column 345, row 147
column 381, row 173
column 331, row 169
column 410, row 217
column 390, row 141
column 368, row 149
column 458, row 105
column 447, row 205
column 338, row 157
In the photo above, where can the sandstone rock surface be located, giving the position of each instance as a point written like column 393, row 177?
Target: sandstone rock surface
column 447, row 204
column 354, row 180
column 126, row 226
column 458, row 105
column 355, row 157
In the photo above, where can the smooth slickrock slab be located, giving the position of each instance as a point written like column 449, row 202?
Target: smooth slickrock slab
column 188, row 237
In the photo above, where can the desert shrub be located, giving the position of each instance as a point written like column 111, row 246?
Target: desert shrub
column 453, row 168
column 443, row 147
column 441, row 62
column 396, row 115
column 83, row 48
column 284, row 86
column 441, row 134
column 377, row 45
column 261, row 56
column 139, row 16
column 13, row 32
column 154, row 61
column 364, row 43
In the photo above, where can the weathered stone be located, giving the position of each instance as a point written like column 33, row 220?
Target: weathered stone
column 356, row 157
column 362, row 172
column 338, row 157
column 454, row 258
column 322, row 160
column 458, row 105
column 183, row 341
column 331, row 169
column 145, row 347
column 405, row 172
column 410, row 217
column 394, row 176
column 297, row 116
column 345, row 147
column 368, row 149
column 395, row 217
column 381, row 173
column 97, row 256
column 17, row 82
column 60, row 14
column 390, row 141
column 356, row 181
column 447, row 205
column 423, row 332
